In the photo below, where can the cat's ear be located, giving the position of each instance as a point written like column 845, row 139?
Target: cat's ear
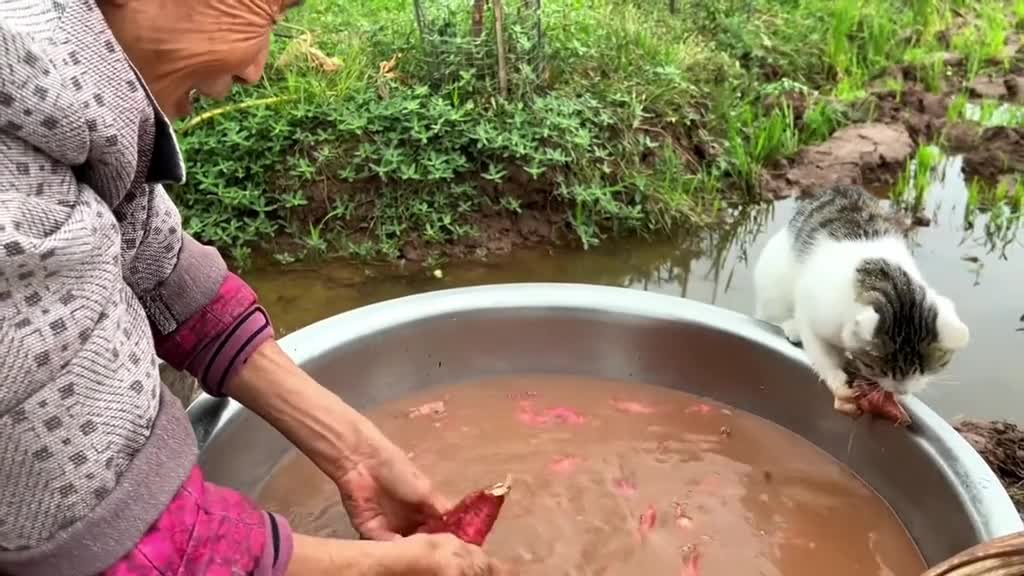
column 861, row 329
column 953, row 333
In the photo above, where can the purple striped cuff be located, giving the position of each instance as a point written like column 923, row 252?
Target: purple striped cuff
column 277, row 552
column 222, row 357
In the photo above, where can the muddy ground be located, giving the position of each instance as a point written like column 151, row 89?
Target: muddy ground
column 873, row 151
column 1001, row 444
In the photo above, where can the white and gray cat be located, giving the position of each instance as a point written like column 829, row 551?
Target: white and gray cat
column 840, row 280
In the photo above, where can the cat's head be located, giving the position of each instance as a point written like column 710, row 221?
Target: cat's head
column 902, row 333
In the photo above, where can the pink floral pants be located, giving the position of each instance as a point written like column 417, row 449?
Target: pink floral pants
column 208, row 530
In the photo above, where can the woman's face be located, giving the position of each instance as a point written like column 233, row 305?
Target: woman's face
column 205, row 46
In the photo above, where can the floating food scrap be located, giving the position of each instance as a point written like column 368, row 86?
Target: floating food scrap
column 683, row 520
column 632, row 407
column 872, row 399
column 624, row 487
column 691, row 561
column 565, row 464
column 700, row 409
column 528, row 414
column 472, row 519
column 648, row 518
column 435, row 409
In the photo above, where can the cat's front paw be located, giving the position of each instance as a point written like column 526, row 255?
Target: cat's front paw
column 848, row 407
column 791, row 330
column 845, row 399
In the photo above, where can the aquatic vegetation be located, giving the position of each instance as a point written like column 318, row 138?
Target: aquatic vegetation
column 988, row 113
column 998, row 206
column 921, row 172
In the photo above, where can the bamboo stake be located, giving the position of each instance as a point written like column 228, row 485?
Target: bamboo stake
column 499, row 34
column 477, row 26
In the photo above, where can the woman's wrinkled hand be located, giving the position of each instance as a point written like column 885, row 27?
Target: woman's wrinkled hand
column 444, row 555
column 385, row 494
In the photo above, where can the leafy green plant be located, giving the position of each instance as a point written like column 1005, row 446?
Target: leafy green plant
column 376, row 126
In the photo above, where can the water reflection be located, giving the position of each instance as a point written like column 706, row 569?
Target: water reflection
column 971, row 263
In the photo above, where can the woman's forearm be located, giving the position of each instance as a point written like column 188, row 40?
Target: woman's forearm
column 343, row 557
column 326, row 429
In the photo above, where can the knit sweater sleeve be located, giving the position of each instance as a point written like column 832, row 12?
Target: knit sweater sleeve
column 206, row 320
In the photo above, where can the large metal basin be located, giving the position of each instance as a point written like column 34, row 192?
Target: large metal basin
column 942, row 490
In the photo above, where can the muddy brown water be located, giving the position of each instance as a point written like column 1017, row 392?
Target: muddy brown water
column 730, row 493
column 983, row 274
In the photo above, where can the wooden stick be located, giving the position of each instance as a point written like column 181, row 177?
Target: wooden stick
column 421, row 21
column 499, row 37
column 477, row 25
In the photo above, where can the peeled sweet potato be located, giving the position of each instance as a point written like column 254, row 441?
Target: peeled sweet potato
column 472, row 519
column 873, row 399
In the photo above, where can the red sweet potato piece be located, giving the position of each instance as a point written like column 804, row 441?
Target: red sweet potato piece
column 873, row 399
column 624, row 487
column 472, row 519
column 648, row 519
column 691, row 561
column 700, row 408
column 528, row 414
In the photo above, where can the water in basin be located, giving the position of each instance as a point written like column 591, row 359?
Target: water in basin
column 731, row 492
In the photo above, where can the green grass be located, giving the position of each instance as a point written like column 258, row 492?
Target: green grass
column 987, row 113
column 622, row 117
column 997, row 209
column 922, row 170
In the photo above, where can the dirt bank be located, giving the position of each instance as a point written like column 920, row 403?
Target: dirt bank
column 542, row 219
column 887, row 128
column 870, row 155
column 989, row 153
column 890, row 126
column 1001, row 444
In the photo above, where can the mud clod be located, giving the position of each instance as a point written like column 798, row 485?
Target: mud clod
column 996, row 151
column 864, row 154
column 989, row 87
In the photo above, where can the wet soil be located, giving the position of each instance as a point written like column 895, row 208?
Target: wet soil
column 889, row 124
column 1001, row 444
column 871, row 155
column 989, row 152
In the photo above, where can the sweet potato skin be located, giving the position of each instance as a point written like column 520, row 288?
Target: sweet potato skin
column 872, row 399
column 473, row 518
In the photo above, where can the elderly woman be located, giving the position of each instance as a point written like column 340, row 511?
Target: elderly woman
column 97, row 280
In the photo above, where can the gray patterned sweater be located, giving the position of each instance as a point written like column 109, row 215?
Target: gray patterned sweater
column 93, row 261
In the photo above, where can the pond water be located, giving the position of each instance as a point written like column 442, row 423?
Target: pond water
column 980, row 270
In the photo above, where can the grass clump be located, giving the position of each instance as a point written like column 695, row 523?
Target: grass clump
column 922, row 171
column 997, row 208
column 385, row 123
column 987, row 113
